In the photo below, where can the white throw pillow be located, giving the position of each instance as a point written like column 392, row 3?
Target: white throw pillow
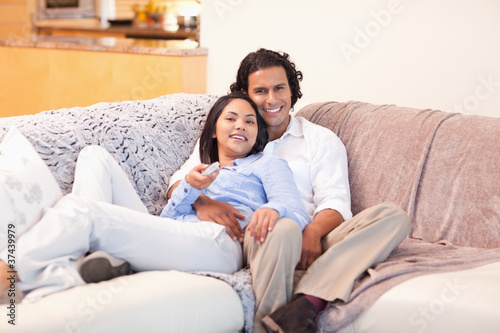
column 26, row 186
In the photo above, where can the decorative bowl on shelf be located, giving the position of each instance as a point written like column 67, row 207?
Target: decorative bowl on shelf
column 154, row 14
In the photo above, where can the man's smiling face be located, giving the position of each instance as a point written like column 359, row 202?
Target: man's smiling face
column 270, row 90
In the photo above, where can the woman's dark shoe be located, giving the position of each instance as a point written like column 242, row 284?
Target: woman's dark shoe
column 297, row 317
column 100, row 266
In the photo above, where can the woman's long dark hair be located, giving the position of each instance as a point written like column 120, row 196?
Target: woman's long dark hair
column 209, row 152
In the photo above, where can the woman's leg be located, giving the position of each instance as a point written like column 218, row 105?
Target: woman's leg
column 48, row 252
column 99, row 177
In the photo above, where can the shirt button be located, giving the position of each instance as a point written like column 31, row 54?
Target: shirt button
column 173, row 204
column 185, row 190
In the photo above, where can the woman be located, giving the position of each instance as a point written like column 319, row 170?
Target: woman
column 47, row 254
column 259, row 186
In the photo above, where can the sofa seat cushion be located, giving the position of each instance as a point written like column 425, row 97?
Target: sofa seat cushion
column 154, row 301
column 461, row 301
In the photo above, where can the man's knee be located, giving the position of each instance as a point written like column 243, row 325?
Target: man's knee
column 286, row 235
column 287, row 230
column 396, row 216
column 284, row 241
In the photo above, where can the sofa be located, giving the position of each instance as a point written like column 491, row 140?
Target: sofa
column 441, row 168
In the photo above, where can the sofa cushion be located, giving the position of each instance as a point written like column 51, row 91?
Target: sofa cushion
column 463, row 301
column 441, row 168
column 144, row 302
column 26, row 186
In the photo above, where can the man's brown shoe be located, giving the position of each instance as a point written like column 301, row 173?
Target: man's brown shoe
column 297, row 317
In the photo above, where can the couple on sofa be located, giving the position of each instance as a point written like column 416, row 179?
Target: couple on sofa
column 307, row 226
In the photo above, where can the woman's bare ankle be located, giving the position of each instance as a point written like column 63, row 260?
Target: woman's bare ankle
column 7, row 276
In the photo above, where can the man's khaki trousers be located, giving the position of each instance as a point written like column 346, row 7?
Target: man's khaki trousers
column 351, row 248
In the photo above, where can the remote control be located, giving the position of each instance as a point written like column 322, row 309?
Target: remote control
column 210, row 169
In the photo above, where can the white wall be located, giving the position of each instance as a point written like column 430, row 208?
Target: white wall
column 439, row 54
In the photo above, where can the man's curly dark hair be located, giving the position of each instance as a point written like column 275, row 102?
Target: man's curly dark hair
column 264, row 59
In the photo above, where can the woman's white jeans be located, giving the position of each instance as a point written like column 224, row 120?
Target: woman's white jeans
column 105, row 213
column 99, row 177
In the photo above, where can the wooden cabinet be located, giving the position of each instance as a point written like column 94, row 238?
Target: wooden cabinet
column 15, row 18
column 36, row 79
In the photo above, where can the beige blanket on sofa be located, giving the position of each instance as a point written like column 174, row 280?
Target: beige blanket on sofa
column 411, row 259
column 441, row 168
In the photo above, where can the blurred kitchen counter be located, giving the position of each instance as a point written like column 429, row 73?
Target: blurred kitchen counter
column 184, row 47
column 91, row 27
column 49, row 72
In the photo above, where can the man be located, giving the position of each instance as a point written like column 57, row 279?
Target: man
column 336, row 247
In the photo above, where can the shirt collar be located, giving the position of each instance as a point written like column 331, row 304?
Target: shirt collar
column 247, row 160
column 294, row 128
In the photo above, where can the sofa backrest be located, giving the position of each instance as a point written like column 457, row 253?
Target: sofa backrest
column 442, row 168
column 150, row 139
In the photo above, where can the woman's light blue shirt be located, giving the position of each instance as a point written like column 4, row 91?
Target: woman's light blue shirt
column 256, row 181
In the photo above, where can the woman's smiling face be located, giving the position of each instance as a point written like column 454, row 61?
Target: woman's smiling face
column 236, row 130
